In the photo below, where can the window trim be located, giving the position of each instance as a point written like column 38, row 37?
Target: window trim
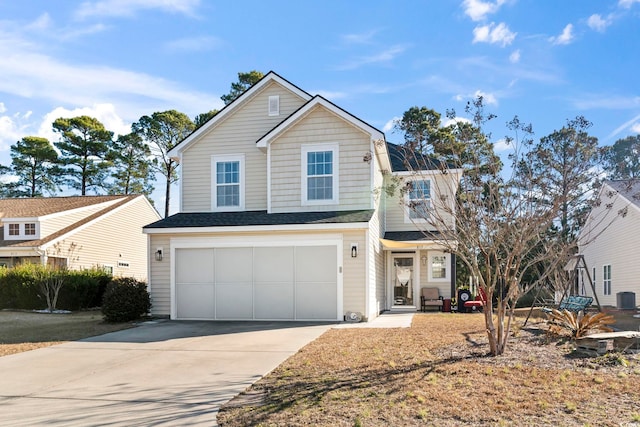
column 14, row 229
column 276, row 104
column 310, row 148
column 606, row 281
column 447, row 267
column 407, row 201
column 214, row 182
column 21, row 227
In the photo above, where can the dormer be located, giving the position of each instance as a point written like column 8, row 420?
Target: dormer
column 21, row 228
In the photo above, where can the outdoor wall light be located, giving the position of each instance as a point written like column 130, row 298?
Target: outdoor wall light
column 354, row 250
column 423, row 258
column 158, row 254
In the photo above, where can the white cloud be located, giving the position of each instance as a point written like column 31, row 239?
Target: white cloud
column 128, row 8
column 493, row 34
column 632, row 124
column 42, row 23
column 3, row 109
column 515, row 56
column 488, row 98
column 477, row 10
column 194, row 44
column 361, row 38
column 501, row 145
column 386, row 55
column 390, row 124
column 330, row 95
column 565, row 38
column 595, row 22
column 455, row 120
column 11, row 131
column 30, row 74
column 627, row 3
column 635, row 128
column 105, row 113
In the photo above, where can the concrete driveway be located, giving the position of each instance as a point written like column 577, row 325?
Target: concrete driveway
column 158, row 374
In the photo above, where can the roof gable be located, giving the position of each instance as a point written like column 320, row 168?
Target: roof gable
column 627, row 188
column 38, row 207
column 233, row 106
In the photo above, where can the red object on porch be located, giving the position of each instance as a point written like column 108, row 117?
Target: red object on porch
column 446, row 305
column 478, row 303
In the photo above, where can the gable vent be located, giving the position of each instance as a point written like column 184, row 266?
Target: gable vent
column 274, row 105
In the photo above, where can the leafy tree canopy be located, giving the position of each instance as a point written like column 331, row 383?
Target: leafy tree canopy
column 622, row 159
column 245, row 81
column 35, row 162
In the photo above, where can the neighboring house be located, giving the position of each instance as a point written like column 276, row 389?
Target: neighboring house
column 282, row 218
column 610, row 241
column 77, row 232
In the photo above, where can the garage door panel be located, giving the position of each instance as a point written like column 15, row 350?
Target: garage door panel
column 316, row 263
column 234, row 301
column 194, row 265
column 263, row 283
column 195, row 301
column 274, row 301
column 316, row 300
column 233, row 265
column 274, row 264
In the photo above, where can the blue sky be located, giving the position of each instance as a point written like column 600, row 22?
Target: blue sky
column 545, row 61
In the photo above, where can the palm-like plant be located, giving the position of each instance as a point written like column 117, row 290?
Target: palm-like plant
column 563, row 322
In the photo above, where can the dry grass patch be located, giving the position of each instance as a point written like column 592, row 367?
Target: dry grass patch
column 25, row 330
column 438, row 373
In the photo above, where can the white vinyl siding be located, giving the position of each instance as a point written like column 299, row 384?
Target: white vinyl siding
column 236, row 133
column 608, row 238
column 115, row 236
column 53, row 223
column 321, row 126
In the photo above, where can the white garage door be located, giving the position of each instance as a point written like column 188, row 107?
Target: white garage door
column 257, row 283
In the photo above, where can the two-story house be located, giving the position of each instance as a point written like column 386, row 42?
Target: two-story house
column 282, row 218
column 77, row 232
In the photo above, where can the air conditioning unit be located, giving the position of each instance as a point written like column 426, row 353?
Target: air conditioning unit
column 353, row 316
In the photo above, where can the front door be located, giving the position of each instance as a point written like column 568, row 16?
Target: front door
column 402, row 280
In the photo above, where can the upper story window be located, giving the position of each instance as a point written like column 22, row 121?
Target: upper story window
column 419, row 199
column 227, row 183
column 274, row 105
column 30, row 229
column 14, row 229
column 319, row 174
column 21, row 231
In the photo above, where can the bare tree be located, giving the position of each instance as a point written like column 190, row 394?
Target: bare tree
column 499, row 225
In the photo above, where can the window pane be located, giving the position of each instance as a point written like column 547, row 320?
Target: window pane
column 439, row 267
column 420, row 190
column 228, row 172
column 14, row 229
column 320, row 188
column 228, row 195
column 30, row 229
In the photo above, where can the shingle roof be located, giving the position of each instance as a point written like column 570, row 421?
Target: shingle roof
column 628, row 188
column 40, row 206
column 72, row 204
column 237, row 219
column 412, row 236
column 403, row 160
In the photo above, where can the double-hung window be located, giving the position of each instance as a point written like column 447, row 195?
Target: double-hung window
column 419, row 199
column 606, row 279
column 319, row 174
column 227, row 183
column 438, row 267
column 30, row 229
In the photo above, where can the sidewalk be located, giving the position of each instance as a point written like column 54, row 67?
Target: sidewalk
column 385, row 320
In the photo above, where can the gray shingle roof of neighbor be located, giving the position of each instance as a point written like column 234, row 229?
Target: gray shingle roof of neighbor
column 256, row 218
column 629, row 188
column 404, row 159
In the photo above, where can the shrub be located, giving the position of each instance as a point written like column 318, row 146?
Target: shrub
column 82, row 289
column 575, row 326
column 125, row 299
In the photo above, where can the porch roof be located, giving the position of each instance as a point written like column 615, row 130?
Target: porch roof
column 412, row 239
